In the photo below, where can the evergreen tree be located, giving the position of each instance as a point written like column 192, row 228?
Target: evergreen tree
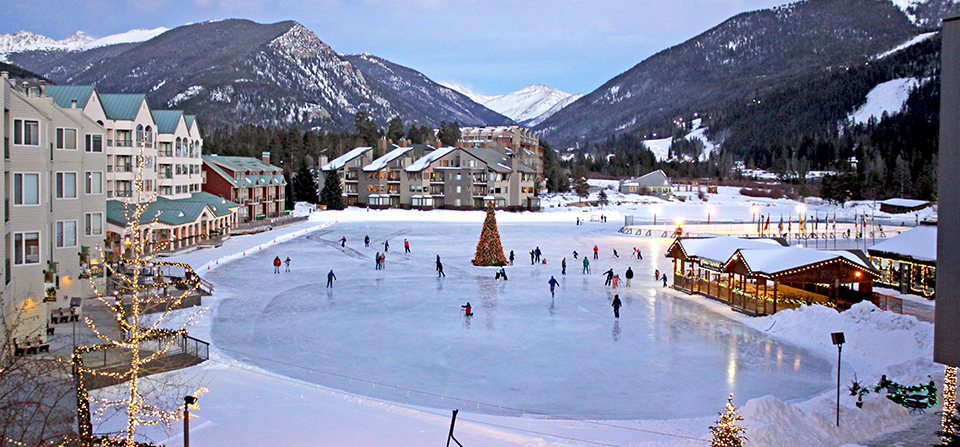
column 489, row 249
column 602, row 198
column 449, row 133
column 580, row 185
column 332, row 193
column 366, row 129
column 726, row 433
column 304, row 185
column 395, row 129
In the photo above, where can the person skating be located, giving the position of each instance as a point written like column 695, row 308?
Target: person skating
column 616, row 306
column 343, row 242
column 467, row 310
column 553, row 283
column 615, row 255
column 532, row 254
column 586, row 266
column 383, row 261
column 664, row 280
column 628, row 275
column 330, row 278
column 406, row 246
column 386, row 246
column 503, row 273
column 286, row 262
column 616, row 281
column 511, row 257
column 563, row 266
column 596, row 252
column 537, row 252
column 575, row 254
column 366, row 241
column 276, row 264
column 440, row 268
column 609, row 274
column 656, row 274
column 639, row 254
column 377, row 258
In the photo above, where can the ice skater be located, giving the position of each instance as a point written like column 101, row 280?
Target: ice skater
column 656, row 274
column 639, row 254
column 501, row 273
column 586, row 266
column 330, row 278
column 366, row 241
column 343, row 242
column 609, row 274
column 553, row 283
column 386, row 246
column 377, row 258
column 286, row 262
column 616, row 281
column 276, row 264
column 466, row 309
column 511, row 257
column 615, row 255
column 532, row 254
column 406, row 246
column 440, row 268
column 664, row 280
column 575, row 254
column 628, row 275
column 616, row 306
column 537, row 253
column 563, row 266
column 596, row 252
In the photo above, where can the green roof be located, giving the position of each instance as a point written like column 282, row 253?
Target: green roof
column 63, row 95
column 190, row 119
column 166, row 120
column 219, row 205
column 172, row 212
column 122, row 106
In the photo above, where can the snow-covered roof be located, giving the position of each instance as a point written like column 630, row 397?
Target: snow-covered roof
column 657, row 179
column 906, row 203
column 342, row 160
column 424, row 162
column 721, row 248
column 919, row 243
column 789, row 258
column 382, row 162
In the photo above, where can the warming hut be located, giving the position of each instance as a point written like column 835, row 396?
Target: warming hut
column 908, row 262
column 766, row 281
column 900, row 206
column 698, row 262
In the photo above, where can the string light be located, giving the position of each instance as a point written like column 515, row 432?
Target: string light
column 726, row 433
column 132, row 334
column 949, row 402
column 489, row 249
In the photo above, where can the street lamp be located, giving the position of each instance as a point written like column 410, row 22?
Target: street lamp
column 656, row 209
column 754, row 209
column 709, row 212
column 837, row 338
column 187, row 402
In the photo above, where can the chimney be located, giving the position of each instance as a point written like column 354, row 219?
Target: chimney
column 403, row 142
column 43, row 87
column 265, row 157
column 26, row 87
column 382, row 147
column 73, row 103
column 4, row 74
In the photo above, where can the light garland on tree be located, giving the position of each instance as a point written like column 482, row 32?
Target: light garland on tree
column 727, row 433
column 489, row 249
column 949, row 401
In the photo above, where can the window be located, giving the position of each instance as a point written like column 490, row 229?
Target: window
column 26, row 132
column 66, row 233
column 26, row 248
column 66, row 185
column 93, row 224
column 93, row 143
column 93, row 184
column 26, row 189
column 66, row 139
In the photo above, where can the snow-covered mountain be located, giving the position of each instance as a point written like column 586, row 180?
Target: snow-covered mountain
column 26, row 41
column 528, row 106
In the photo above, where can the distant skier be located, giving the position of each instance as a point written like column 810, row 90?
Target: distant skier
column 343, row 242
column 286, row 262
column 616, row 306
column 406, row 246
column 628, row 275
column 366, row 241
column 586, row 266
column 596, row 252
column 563, row 266
column 553, row 283
column 276, row 264
column 330, row 278
column 609, row 274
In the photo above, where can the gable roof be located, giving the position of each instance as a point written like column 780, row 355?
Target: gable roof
column 495, row 160
column 655, row 179
column 218, row 205
column 424, row 162
column 342, row 160
column 173, row 212
column 217, row 163
column 785, row 260
column 64, row 94
column 719, row 248
column 166, row 120
column 919, row 243
column 382, row 162
column 122, row 106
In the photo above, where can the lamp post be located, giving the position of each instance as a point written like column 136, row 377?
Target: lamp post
column 837, row 338
column 656, row 209
column 187, row 402
column 754, row 210
column 709, row 212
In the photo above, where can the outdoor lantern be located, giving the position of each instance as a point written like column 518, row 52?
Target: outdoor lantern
column 838, row 340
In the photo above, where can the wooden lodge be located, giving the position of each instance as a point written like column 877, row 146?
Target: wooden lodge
column 762, row 276
column 908, row 262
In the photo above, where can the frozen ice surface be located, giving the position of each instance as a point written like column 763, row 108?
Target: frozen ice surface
column 401, row 327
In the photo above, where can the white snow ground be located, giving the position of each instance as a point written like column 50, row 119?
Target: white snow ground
column 541, row 371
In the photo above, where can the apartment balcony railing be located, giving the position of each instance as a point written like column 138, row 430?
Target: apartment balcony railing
column 163, row 153
column 124, row 193
column 122, row 143
column 122, row 168
column 165, row 175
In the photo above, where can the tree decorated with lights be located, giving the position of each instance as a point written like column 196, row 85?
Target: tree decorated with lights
column 137, row 342
column 726, row 433
column 489, row 249
column 950, row 422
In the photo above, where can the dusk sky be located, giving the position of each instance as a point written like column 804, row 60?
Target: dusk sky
column 489, row 46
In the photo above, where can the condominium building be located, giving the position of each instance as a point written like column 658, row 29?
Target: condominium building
column 55, row 169
column 515, row 141
column 257, row 186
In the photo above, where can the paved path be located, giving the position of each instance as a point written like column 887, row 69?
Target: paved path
column 923, row 433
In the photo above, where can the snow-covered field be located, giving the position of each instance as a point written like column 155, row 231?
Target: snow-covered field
column 384, row 356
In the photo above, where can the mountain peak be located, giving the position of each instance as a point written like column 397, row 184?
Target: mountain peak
column 529, row 104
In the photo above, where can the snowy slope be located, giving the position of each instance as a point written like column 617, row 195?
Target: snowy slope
column 534, row 103
column 27, row 41
column 886, row 97
column 661, row 146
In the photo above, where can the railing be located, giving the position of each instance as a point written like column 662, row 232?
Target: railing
column 124, row 143
column 122, row 168
column 124, row 193
column 177, row 344
column 887, row 302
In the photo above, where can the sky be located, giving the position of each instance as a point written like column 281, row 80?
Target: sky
column 489, row 46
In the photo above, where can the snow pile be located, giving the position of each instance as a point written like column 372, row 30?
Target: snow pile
column 771, row 422
column 886, row 97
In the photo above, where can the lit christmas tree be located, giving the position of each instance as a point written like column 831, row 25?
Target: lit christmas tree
column 489, row 250
column 726, row 433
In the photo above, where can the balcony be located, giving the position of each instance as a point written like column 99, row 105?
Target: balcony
column 122, row 143
column 121, row 168
column 123, row 193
